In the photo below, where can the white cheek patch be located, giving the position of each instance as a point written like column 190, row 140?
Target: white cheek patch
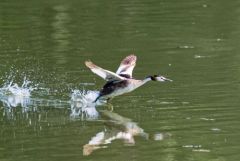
column 162, row 79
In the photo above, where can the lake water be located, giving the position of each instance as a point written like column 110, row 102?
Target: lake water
column 43, row 80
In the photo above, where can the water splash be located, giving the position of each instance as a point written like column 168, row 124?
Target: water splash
column 84, row 96
column 11, row 88
column 83, row 105
column 12, row 95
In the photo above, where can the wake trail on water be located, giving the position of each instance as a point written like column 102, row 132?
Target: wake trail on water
column 81, row 102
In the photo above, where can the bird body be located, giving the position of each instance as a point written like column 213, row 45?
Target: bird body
column 120, row 82
column 115, row 88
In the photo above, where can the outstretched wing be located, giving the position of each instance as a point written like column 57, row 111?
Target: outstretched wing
column 126, row 67
column 105, row 74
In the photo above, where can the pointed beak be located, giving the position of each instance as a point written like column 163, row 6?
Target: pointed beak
column 163, row 79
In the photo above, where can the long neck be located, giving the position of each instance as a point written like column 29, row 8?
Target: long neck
column 147, row 79
column 142, row 82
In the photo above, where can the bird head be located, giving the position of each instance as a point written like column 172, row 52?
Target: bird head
column 159, row 78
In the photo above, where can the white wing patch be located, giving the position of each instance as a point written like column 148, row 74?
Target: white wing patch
column 105, row 74
column 127, row 65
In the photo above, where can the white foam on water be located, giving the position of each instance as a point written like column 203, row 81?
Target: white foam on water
column 83, row 105
column 10, row 88
column 81, row 102
column 84, row 96
column 12, row 95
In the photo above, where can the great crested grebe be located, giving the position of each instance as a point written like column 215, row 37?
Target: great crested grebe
column 122, row 81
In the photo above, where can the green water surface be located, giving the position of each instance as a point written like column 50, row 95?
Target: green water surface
column 194, row 118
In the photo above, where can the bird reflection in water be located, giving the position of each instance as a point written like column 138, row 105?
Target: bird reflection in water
column 117, row 128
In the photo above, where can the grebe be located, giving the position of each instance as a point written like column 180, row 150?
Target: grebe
column 122, row 81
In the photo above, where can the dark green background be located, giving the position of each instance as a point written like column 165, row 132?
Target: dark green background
column 195, row 43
